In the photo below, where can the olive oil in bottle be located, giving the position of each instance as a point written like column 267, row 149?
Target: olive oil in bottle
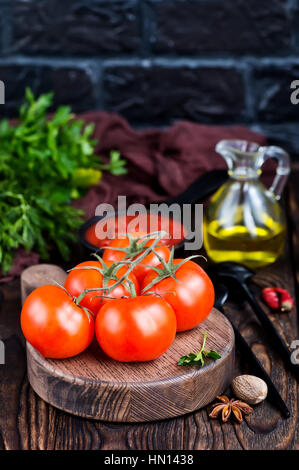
column 244, row 222
column 231, row 244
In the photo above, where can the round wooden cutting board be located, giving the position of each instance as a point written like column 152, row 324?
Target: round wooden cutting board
column 94, row 386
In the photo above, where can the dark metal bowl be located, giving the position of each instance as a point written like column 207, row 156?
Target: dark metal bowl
column 205, row 185
column 93, row 248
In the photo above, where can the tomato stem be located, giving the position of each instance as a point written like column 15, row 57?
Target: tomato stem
column 124, row 279
column 62, row 287
column 136, row 244
column 169, row 269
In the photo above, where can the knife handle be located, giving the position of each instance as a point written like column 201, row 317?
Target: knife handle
column 205, row 185
column 273, row 394
column 277, row 341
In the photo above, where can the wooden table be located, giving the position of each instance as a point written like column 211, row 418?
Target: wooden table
column 27, row 422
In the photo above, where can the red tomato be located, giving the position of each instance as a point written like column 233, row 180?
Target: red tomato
column 135, row 329
column 192, row 298
column 54, row 324
column 112, row 226
column 80, row 279
column 151, row 259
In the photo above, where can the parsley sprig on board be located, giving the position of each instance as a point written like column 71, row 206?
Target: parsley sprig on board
column 44, row 165
column 198, row 359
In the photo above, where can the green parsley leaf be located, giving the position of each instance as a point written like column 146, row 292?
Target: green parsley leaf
column 198, row 359
column 45, row 163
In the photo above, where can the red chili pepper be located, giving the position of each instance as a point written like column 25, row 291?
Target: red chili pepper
column 270, row 297
column 278, row 298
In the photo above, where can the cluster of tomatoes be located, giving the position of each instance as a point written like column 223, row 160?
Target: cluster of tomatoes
column 134, row 299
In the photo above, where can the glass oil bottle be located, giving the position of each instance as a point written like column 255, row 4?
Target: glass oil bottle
column 244, row 222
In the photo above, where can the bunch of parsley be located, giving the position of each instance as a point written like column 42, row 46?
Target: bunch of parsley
column 44, row 164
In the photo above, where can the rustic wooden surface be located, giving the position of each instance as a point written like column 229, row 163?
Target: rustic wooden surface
column 40, row 275
column 27, row 422
column 92, row 385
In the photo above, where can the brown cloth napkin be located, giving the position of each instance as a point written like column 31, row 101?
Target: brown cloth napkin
column 162, row 163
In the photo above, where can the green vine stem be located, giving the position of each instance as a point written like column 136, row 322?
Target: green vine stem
column 169, row 268
column 124, row 278
column 108, row 273
column 136, row 245
column 86, row 310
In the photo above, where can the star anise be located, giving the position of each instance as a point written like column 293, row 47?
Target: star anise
column 230, row 405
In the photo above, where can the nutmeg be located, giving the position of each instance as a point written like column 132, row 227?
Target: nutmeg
column 249, row 388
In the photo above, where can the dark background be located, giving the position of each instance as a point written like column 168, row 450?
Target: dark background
column 156, row 61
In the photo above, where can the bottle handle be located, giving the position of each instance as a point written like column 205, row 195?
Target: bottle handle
column 283, row 168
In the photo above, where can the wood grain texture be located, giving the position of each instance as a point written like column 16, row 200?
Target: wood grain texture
column 27, row 422
column 93, row 385
column 264, row 428
column 39, row 275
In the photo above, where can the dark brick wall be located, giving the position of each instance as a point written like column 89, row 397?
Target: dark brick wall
column 155, row 61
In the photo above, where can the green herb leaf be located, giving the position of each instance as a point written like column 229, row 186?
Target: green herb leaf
column 198, row 359
column 212, row 354
column 85, row 177
column 116, row 164
column 44, row 165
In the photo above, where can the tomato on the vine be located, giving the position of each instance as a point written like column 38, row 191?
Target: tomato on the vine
column 132, row 249
column 54, row 325
column 191, row 296
column 135, row 329
column 80, row 279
